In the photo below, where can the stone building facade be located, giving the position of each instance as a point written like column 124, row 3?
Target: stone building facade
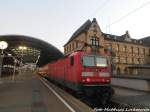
column 125, row 52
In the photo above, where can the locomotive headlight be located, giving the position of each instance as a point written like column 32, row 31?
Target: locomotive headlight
column 104, row 74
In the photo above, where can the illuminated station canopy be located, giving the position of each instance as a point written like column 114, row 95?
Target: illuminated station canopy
column 31, row 50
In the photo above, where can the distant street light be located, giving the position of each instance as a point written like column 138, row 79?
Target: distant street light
column 22, row 48
column 3, row 46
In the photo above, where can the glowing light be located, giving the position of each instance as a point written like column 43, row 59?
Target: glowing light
column 22, row 47
column 3, row 45
column 88, row 80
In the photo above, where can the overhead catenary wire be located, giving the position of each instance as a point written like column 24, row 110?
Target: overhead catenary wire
column 128, row 14
column 99, row 8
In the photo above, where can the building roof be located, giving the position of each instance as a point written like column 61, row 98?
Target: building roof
column 146, row 40
column 48, row 52
column 82, row 29
column 126, row 38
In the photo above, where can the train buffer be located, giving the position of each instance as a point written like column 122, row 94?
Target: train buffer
column 30, row 93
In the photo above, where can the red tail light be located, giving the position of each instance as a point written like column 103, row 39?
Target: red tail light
column 103, row 80
column 88, row 79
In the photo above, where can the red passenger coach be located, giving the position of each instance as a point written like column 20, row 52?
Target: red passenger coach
column 83, row 73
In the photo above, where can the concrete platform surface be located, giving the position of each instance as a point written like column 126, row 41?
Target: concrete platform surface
column 131, row 97
column 29, row 94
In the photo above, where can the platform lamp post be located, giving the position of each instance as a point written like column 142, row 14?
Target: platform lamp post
column 3, row 46
column 22, row 48
column 14, row 71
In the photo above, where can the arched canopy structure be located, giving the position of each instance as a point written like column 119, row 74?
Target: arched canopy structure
column 47, row 51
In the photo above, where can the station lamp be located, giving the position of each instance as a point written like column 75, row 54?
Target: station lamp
column 3, row 46
column 22, row 47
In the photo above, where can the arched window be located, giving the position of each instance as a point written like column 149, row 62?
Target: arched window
column 125, row 70
column 118, row 70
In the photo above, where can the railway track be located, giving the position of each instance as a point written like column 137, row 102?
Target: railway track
column 112, row 106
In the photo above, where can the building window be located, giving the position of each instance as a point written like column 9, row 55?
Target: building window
column 118, row 71
column 94, row 41
column 124, row 48
column 129, row 60
column 129, row 49
column 138, row 50
column 138, row 61
column 144, row 51
column 123, row 60
column 72, row 46
column 76, row 44
column 132, row 49
column 67, row 48
column 117, row 47
column 110, row 47
column 116, row 59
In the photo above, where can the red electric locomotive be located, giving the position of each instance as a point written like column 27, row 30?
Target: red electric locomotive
column 83, row 73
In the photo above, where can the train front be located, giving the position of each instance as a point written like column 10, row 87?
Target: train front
column 96, row 76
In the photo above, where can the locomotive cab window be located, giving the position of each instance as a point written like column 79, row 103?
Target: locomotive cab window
column 100, row 61
column 72, row 60
column 88, row 61
column 95, row 61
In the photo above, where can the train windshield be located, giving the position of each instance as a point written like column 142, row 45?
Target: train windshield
column 100, row 61
column 88, row 61
column 94, row 61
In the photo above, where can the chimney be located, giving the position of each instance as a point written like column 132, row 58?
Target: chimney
column 127, row 32
column 94, row 20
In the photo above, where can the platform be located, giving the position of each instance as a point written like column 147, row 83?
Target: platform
column 130, row 97
column 28, row 94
